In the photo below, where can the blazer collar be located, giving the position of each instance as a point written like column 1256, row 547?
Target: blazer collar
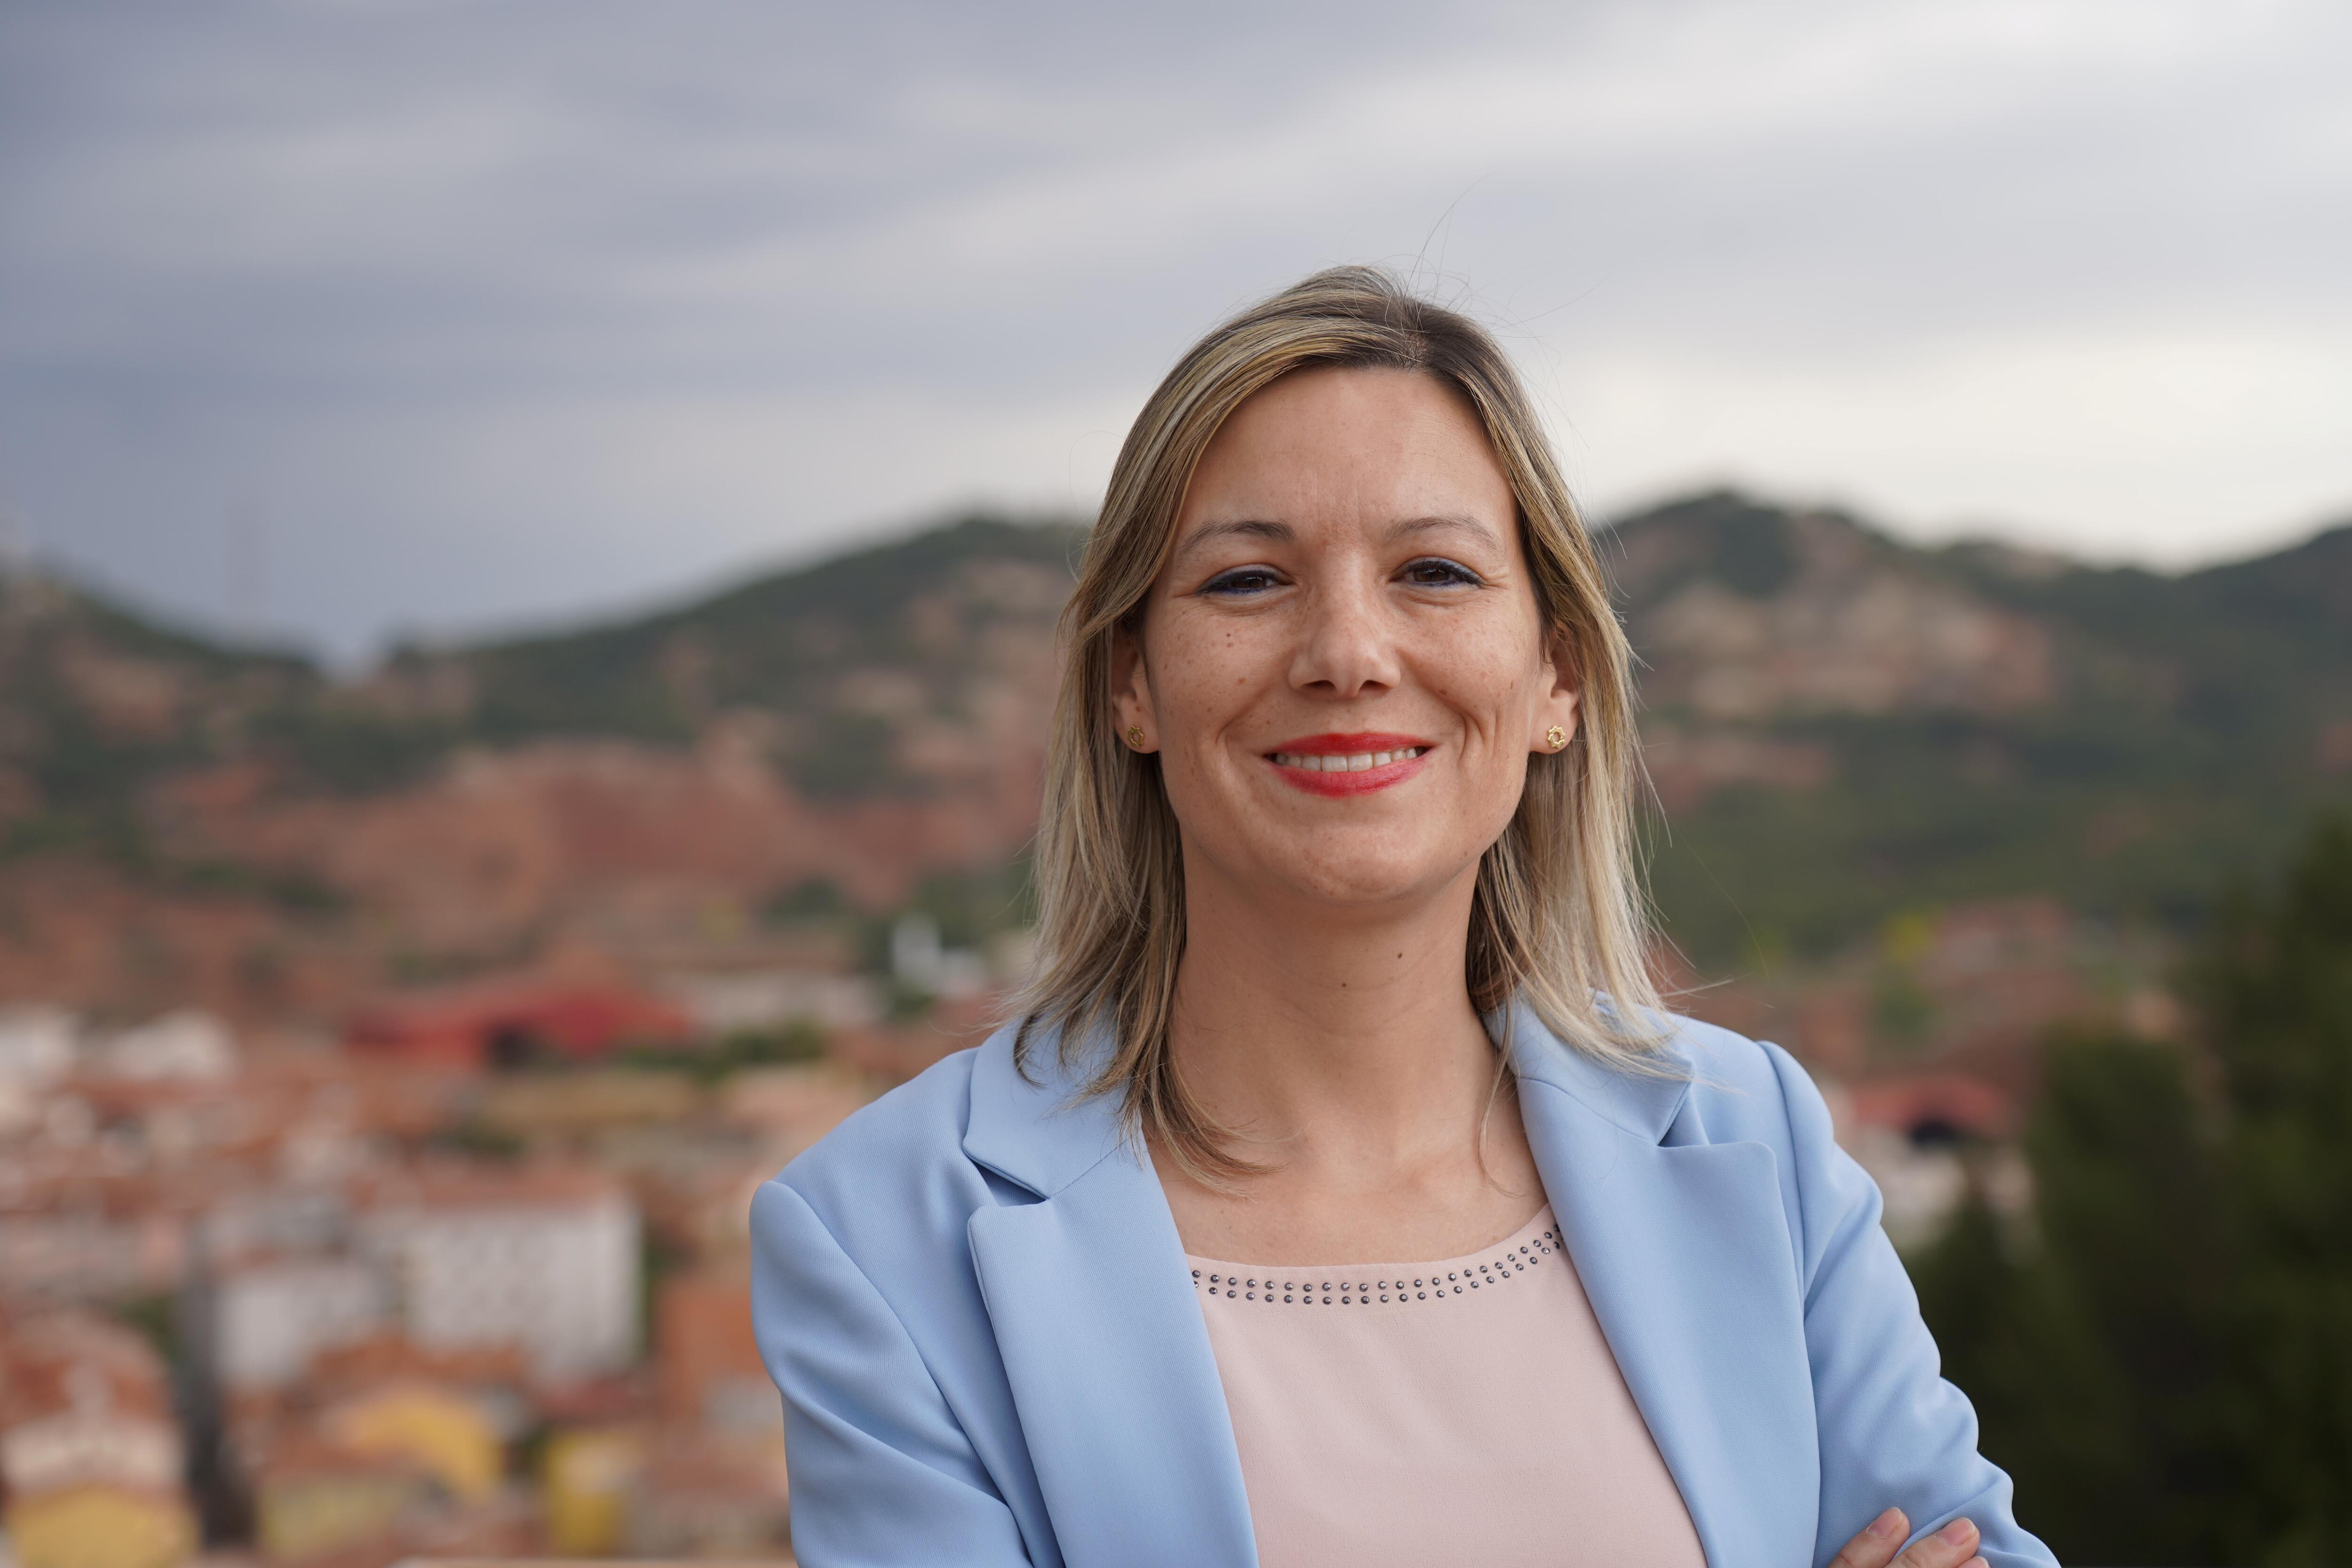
column 1100, row 1328
column 1684, row 1251
column 1644, row 1104
column 1031, row 1122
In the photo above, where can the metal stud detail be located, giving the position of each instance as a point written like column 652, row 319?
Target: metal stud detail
column 1499, row 1266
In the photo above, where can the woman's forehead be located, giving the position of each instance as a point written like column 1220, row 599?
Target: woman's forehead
column 1349, row 412
column 1380, row 450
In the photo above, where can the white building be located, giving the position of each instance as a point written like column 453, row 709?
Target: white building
column 762, row 999
column 265, row 1318
column 90, row 1441
column 183, row 1044
column 37, row 1045
column 83, row 1403
column 918, row 959
column 547, row 1261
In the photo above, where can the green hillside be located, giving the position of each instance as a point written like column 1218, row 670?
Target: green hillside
column 98, row 701
column 780, row 645
column 1843, row 727
column 2191, row 727
column 781, row 642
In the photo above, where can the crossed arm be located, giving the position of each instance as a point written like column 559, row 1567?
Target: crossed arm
column 1880, row 1545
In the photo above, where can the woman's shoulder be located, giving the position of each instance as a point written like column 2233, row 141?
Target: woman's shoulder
column 897, row 1148
column 1724, row 1063
column 1709, row 1084
column 1690, row 1081
column 985, row 1127
column 1741, row 1088
column 1753, row 1091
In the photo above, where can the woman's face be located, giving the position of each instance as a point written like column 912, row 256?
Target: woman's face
column 1342, row 667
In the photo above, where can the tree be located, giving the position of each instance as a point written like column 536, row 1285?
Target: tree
column 2095, row 1347
column 2163, row 1359
column 2275, row 995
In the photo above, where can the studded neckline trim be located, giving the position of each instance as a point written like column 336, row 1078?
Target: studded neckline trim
column 1393, row 1284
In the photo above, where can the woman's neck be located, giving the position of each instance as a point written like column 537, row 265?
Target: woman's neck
column 1342, row 1052
column 1344, row 1035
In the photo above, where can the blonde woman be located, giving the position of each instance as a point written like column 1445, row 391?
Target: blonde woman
column 1342, row 1195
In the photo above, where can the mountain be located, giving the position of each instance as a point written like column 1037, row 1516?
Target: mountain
column 1841, row 727
column 1853, row 727
column 182, row 820
column 97, row 701
column 918, row 637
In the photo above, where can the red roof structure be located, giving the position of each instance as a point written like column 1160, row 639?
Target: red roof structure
column 508, row 1024
column 1931, row 1104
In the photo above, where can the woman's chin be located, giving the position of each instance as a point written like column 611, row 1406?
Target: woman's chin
column 1353, row 884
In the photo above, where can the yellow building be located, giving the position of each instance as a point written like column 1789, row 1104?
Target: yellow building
column 90, row 1458
column 445, row 1432
column 313, row 1498
column 101, row 1526
column 589, row 1476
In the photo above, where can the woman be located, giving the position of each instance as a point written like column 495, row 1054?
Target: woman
column 1343, row 1195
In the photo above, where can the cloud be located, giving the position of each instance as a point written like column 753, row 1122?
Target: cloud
column 503, row 310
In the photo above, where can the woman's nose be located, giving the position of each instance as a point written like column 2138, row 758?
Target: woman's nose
column 1345, row 646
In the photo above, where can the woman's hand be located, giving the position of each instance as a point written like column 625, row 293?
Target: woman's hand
column 1954, row 1546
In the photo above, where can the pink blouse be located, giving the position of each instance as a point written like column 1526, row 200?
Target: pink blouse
column 1467, row 1411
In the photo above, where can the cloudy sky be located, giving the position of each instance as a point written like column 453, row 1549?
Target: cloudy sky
column 348, row 318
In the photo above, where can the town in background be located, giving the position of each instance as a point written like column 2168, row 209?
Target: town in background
column 387, row 1062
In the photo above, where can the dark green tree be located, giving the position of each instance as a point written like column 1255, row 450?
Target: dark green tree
column 2051, row 1401
column 2275, row 995
column 2095, row 1347
column 2163, row 1356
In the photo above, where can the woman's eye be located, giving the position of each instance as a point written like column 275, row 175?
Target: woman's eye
column 1242, row 581
column 1436, row 573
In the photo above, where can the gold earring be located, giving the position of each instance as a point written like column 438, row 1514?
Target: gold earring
column 1555, row 737
column 1135, row 736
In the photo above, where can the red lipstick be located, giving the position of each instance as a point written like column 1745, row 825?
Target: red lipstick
column 1345, row 764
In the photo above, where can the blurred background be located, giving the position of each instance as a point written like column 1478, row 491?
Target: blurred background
column 529, row 538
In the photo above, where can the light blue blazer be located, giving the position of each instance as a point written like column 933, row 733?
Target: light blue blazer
column 973, row 1299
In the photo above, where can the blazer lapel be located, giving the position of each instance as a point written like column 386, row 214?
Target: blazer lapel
column 1103, row 1343
column 1682, row 1250
column 1686, row 1257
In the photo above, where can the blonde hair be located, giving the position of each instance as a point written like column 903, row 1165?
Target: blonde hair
column 1558, row 919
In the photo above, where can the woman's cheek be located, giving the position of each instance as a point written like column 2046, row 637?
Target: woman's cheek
column 1474, row 655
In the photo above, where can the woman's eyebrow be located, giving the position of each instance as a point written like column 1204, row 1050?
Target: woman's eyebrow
column 1254, row 528
column 1407, row 527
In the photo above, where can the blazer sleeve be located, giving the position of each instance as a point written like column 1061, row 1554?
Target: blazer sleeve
column 1893, row 1432
column 882, row 1473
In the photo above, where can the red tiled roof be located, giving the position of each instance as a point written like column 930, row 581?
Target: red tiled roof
column 1909, row 1101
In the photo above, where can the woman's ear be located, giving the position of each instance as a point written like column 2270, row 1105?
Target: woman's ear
column 1130, row 689
column 1556, row 709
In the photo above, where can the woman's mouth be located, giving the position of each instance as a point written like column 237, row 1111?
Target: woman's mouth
column 1355, row 762
column 1347, row 765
